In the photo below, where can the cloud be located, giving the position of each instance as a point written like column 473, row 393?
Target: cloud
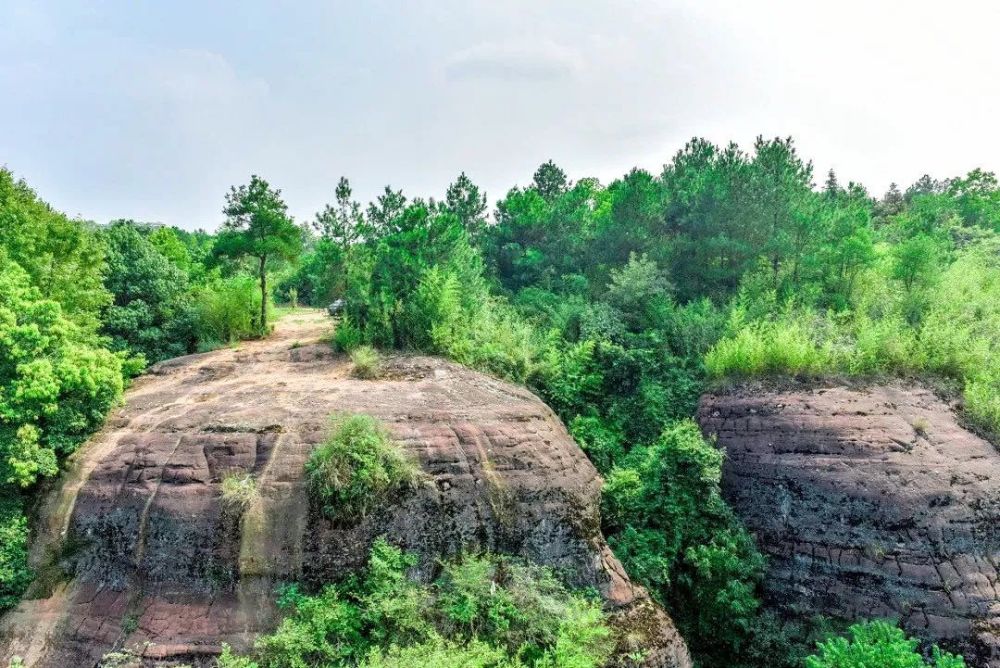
column 542, row 61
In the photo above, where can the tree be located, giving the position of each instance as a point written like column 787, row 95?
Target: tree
column 832, row 186
column 151, row 313
column 384, row 212
column 465, row 201
column 258, row 226
column 878, row 644
column 340, row 223
column 915, row 261
column 892, row 202
column 550, row 181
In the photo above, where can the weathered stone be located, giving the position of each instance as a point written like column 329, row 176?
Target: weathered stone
column 870, row 502
column 155, row 563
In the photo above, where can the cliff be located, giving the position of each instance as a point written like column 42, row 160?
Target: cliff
column 869, row 502
column 135, row 549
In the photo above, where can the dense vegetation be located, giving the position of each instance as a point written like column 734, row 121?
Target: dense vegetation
column 83, row 308
column 618, row 303
column 878, row 644
column 481, row 612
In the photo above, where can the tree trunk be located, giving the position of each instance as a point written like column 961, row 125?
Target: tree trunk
column 263, row 296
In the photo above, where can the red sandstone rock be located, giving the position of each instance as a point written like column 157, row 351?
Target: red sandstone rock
column 869, row 503
column 154, row 563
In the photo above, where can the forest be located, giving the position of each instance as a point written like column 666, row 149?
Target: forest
column 619, row 304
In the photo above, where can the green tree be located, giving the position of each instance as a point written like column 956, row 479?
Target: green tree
column 878, row 644
column 63, row 258
column 151, row 313
column 915, row 261
column 340, row 223
column 258, row 226
column 550, row 181
column 466, row 201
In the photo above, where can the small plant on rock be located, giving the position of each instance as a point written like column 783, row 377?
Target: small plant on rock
column 239, row 490
column 357, row 468
column 367, row 362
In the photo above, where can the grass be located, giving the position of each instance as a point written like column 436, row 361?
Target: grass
column 357, row 468
column 239, row 490
column 367, row 363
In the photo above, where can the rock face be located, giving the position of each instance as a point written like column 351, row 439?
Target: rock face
column 137, row 552
column 870, row 503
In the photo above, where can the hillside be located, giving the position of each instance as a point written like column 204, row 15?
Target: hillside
column 136, row 551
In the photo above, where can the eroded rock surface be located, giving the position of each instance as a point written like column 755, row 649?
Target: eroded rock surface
column 870, row 503
column 137, row 552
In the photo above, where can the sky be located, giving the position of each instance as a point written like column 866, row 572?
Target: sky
column 151, row 110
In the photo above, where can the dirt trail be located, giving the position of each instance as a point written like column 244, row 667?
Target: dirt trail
column 136, row 550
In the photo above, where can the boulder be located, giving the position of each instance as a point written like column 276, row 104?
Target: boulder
column 137, row 552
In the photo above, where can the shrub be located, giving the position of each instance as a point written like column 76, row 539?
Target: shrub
column 367, row 362
column 877, row 644
column 787, row 344
column 489, row 611
column 669, row 525
column 357, row 468
column 227, row 308
column 55, row 386
column 239, row 490
column 347, row 336
column 15, row 574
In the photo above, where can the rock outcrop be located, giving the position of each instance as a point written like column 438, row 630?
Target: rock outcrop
column 137, row 552
column 870, row 502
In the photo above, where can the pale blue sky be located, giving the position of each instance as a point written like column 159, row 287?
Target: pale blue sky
column 150, row 110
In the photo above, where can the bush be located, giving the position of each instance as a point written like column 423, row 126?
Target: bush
column 151, row 313
column 489, row 611
column 878, row 644
column 227, row 308
column 357, row 469
column 669, row 525
column 55, row 386
column 239, row 490
column 787, row 344
column 347, row 336
column 367, row 362
column 15, row 574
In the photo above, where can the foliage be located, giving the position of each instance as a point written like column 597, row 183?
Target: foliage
column 239, row 490
column 357, row 468
column 151, row 313
column 225, row 310
column 55, row 385
column 877, row 644
column 489, row 611
column 673, row 531
column 258, row 226
column 15, row 574
column 367, row 362
column 62, row 258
